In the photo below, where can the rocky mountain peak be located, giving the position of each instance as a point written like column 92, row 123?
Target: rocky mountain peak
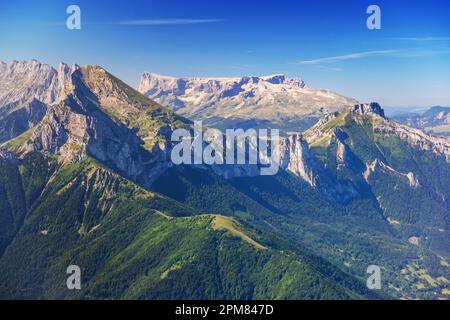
column 21, row 81
column 329, row 127
column 248, row 101
column 94, row 115
column 283, row 79
column 372, row 108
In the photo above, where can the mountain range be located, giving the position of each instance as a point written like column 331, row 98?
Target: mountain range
column 435, row 120
column 86, row 179
column 246, row 102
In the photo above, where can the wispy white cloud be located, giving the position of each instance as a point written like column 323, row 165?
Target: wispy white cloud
column 418, row 39
column 422, row 53
column 351, row 56
column 166, row 22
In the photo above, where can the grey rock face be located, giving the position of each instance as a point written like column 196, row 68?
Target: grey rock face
column 26, row 80
column 78, row 127
column 372, row 108
column 297, row 158
column 16, row 119
column 415, row 137
column 27, row 88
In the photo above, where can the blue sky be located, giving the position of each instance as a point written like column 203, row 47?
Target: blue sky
column 327, row 43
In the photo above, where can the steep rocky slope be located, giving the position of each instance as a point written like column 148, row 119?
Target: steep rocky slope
column 100, row 116
column 406, row 170
column 16, row 119
column 21, row 81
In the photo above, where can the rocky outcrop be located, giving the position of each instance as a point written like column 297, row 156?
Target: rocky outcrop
column 62, row 132
column 26, row 80
column 296, row 157
column 416, row 138
column 79, row 126
column 293, row 155
column 377, row 165
column 15, row 119
column 368, row 109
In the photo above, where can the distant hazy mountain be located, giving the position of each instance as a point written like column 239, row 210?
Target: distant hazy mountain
column 435, row 120
column 86, row 179
column 271, row 101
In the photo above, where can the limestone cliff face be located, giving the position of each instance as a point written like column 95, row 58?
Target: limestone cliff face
column 79, row 126
column 416, row 138
column 244, row 102
column 296, row 157
column 27, row 88
column 323, row 130
column 293, row 155
column 22, row 81
column 299, row 159
column 363, row 152
column 16, row 119
column 368, row 109
column 380, row 166
column 61, row 132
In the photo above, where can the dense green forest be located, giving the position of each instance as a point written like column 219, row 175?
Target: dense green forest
column 131, row 243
